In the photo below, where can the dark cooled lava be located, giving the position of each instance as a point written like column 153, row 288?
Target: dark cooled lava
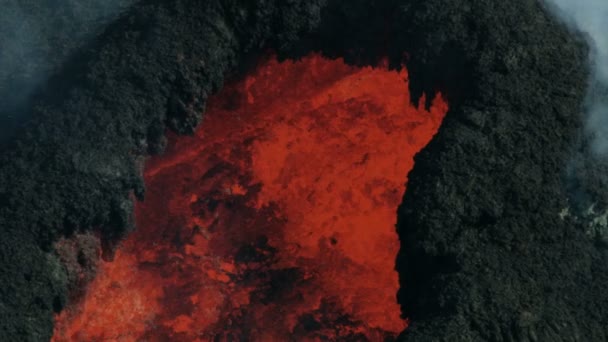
column 275, row 221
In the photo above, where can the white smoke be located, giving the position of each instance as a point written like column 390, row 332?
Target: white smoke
column 591, row 18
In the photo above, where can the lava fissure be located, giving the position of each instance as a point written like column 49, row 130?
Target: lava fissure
column 275, row 221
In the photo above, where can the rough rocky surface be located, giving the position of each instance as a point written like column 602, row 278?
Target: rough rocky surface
column 487, row 251
column 36, row 38
column 486, row 255
column 76, row 164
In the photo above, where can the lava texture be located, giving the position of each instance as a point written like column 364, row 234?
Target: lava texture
column 492, row 247
column 275, row 221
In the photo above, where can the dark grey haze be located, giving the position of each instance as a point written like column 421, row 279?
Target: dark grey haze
column 36, row 38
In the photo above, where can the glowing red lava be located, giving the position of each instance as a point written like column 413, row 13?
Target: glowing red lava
column 275, row 221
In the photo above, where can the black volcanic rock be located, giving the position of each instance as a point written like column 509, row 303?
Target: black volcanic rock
column 488, row 253
column 36, row 38
column 77, row 162
column 489, row 249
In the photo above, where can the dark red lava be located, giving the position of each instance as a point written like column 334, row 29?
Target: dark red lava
column 275, row 221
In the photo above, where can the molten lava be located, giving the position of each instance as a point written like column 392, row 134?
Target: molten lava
column 275, row 221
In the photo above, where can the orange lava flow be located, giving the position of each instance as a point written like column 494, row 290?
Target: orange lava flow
column 275, row 221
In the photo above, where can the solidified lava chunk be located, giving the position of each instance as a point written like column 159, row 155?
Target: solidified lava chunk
column 275, row 221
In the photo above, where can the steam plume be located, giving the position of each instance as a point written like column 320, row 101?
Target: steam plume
column 591, row 18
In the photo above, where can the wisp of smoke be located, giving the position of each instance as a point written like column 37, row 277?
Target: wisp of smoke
column 591, row 18
column 36, row 37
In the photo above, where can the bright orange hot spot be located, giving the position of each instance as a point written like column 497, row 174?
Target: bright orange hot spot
column 275, row 222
